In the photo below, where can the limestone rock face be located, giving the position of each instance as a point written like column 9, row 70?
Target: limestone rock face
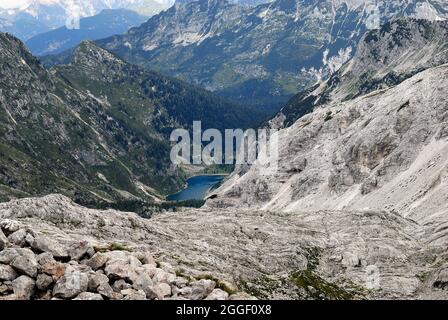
column 384, row 58
column 371, row 174
column 384, row 151
column 368, row 248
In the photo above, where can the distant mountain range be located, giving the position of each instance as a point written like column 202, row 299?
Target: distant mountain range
column 38, row 16
column 259, row 55
column 106, row 23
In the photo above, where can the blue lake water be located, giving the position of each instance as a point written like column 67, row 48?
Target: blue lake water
column 197, row 188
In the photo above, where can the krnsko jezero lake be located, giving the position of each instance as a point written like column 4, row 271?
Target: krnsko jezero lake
column 197, row 188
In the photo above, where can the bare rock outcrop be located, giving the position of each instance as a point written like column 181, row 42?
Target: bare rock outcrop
column 384, row 151
column 67, row 268
column 326, row 254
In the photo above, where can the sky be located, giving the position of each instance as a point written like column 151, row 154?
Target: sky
column 7, row 4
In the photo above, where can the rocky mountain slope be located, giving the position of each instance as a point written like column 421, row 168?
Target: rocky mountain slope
column 380, row 156
column 262, row 55
column 382, row 151
column 102, row 25
column 57, row 138
column 333, row 254
column 148, row 97
column 70, row 131
column 384, row 58
column 375, row 140
column 38, row 267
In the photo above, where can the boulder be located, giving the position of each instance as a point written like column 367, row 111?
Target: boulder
column 29, row 239
column 163, row 276
column 120, row 270
column 3, row 240
column 89, row 296
column 43, row 282
column 158, row 291
column 96, row 279
column 18, row 238
column 8, row 297
column 71, row 285
column 148, row 269
column 125, row 256
column 25, row 262
column 132, row 294
column 46, row 296
column 97, row 261
column 218, row 294
column 75, row 265
column 142, row 281
column 45, row 244
column 201, row 289
column 146, row 258
column 121, row 285
column 7, row 273
column 167, row 267
column 122, row 265
column 152, row 293
column 176, row 298
column 54, row 269
column 23, row 288
column 80, row 250
column 8, row 254
column 44, row 258
column 9, row 226
column 180, row 282
column 182, row 292
column 164, row 289
column 117, row 296
column 106, row 291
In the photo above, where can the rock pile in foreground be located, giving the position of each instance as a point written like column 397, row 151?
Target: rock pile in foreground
column 33, row 266
column 270, row 255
